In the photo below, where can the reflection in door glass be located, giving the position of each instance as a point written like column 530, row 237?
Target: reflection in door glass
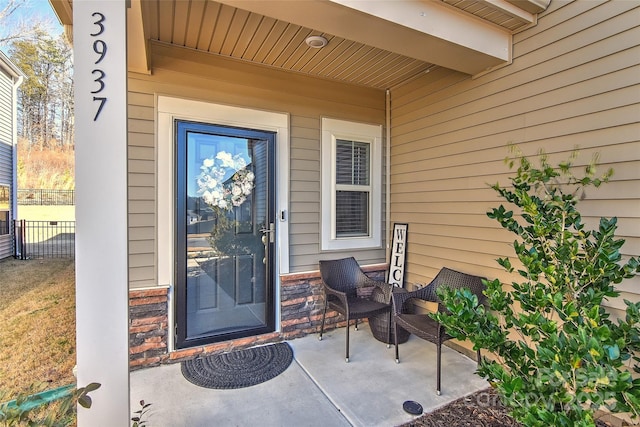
column 225, row 252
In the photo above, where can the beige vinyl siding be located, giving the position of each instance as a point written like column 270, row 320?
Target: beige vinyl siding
column 141, row 187
column 574, row 81
column 192, row 75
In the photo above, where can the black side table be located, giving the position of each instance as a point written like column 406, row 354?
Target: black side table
column 379, row 323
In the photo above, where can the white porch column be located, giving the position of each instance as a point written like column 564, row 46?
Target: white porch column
column 100, row 75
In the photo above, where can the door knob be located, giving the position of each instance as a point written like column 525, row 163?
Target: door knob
column 270, row 231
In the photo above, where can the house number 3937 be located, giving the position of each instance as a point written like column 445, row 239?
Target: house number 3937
column 100, row 49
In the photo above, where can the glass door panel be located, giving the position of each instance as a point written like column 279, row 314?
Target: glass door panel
column 224, row 277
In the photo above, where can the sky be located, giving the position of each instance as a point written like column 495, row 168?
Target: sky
column 38, row 8
column 30, row 11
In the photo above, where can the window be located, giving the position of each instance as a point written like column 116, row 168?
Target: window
column 353, row 185
column 351, row 199
column 4, row 209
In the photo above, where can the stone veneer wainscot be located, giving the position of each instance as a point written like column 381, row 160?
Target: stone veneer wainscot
column 301, row 305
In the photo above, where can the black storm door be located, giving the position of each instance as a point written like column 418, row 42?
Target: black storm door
column 225, row 233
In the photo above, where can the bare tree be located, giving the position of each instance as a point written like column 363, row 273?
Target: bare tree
column 46, row 112
column 13, row 27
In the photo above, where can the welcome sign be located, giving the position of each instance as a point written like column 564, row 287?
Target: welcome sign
column 398, row 255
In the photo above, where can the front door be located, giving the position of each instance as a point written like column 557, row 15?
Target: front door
column 225, row 233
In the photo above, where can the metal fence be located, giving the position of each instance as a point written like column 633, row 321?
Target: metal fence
column 40, row 196
column 44, row 239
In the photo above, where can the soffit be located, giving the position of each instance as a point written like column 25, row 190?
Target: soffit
column 220, row 29
column 258, row 32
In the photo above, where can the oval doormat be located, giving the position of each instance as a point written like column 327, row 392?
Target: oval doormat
column 240, row 368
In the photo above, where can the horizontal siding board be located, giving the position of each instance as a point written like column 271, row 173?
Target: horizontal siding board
column 137, row 139
column 584, row 16
column 494, row 124
column 142, row 193
column 618, row 303
column 631, row 245
column 305, row 165
column 142, row 274
column 442, row 256
column 460, row 207
column 141, row 166
column 531, row 109
column 307, row 207
column 140, row 99
column 306, row 136
column 310, row 261
column 305, row 186
column 492, row 232
column 579, row 46
column 451, row 218
column 305, row 225
column 142, row 206
column 141, row 246
column 567, row 68
column 139, row 112
column 439, row 80
column 6, row 246
column 301, row 222
column 303, row 175
column 614, row 190
column 515, row 129
column 141, row 153
column 141, row 260
column 491, row 248
column 574, row 81
column 555, row 16
column 630, row 285
column 305, row 239
column 305, row 154
column 6, row 108
column 492, row 146
column 304, row 197
column 141, row 219
column 141, row 179
column 142, row 233
column 623, row 144
column 465, row 196
column 140, row 126
column 6, row 165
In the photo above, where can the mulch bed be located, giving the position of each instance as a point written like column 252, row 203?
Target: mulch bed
column 481, row 409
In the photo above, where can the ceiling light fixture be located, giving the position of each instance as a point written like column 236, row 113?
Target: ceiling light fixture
column 316, row 42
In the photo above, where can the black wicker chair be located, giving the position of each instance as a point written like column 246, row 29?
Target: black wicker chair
column 343, row 281
column 422, row 325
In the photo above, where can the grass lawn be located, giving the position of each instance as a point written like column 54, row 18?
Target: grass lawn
column 37, row 324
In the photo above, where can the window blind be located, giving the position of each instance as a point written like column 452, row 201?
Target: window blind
column 352, row 188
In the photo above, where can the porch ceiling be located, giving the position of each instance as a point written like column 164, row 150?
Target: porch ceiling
column 377, row 44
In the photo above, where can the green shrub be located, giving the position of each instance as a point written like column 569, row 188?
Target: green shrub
column 558, row 354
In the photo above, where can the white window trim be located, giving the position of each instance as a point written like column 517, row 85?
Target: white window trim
column 333, row 129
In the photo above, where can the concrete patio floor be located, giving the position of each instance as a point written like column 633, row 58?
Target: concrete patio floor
column 318, row 389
